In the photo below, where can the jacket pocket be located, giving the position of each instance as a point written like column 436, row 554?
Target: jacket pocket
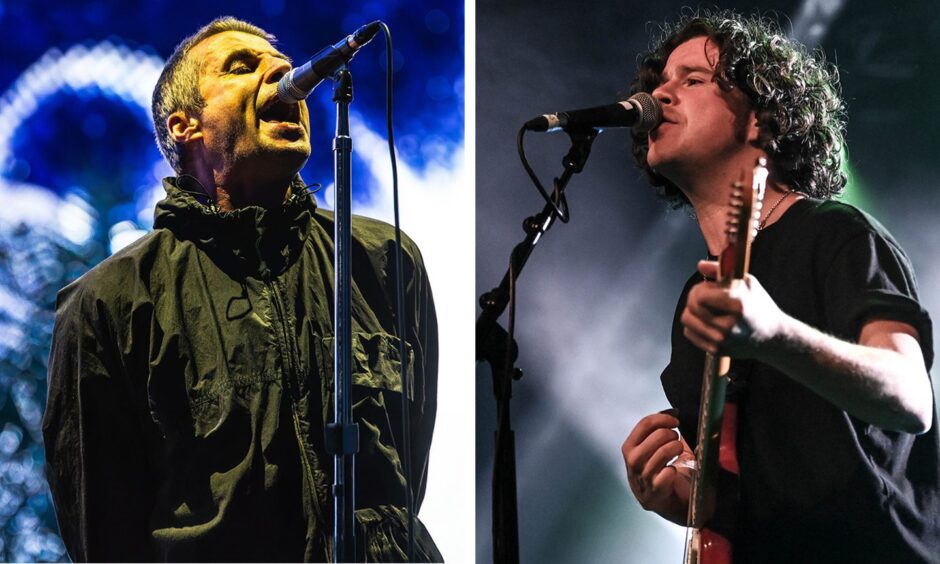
column 377, row 409
column 376, row 362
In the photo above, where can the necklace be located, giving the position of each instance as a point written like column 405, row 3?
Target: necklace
column 772, row 208
column 763, row 222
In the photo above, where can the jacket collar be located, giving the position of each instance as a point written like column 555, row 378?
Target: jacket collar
column 250, row 241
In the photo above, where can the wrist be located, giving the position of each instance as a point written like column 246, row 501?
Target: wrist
column 780, row 340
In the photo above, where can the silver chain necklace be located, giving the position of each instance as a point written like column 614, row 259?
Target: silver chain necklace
column 762, row 224
column 772, row 208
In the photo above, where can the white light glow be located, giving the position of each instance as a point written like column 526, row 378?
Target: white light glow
column 28, row 204
column 123, row 234
column 103, row 66
column 617, row 336
column 436, row 208
column 76, row 220
column 15, row 306
column 813, row 20
column 11, row 337
column 113, row 71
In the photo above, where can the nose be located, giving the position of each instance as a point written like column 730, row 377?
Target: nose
column 662, row 94
column 276, row 70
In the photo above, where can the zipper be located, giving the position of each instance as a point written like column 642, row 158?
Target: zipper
column 286, row 351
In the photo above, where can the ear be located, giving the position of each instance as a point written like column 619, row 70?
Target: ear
column 753, row 128
column 183, row 128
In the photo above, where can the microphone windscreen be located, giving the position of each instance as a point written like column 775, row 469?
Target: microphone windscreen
column 651, row 113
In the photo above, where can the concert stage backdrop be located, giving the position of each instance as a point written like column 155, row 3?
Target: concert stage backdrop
column 80, row 173
column 597, row 297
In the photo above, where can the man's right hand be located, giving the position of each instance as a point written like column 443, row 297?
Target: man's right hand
column 659, row 486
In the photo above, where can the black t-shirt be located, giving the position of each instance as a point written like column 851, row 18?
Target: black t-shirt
column 816, row 484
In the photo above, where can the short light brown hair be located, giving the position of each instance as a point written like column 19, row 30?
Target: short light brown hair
column 178, row 86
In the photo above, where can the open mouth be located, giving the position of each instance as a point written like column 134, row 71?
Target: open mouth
column 276, row 111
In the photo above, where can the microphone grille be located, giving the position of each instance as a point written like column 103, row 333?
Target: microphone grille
column 650, row 112
column 287, row 91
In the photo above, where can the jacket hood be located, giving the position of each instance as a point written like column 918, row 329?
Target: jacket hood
column 247, row 242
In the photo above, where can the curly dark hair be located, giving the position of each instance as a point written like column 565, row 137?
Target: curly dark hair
column 795, row 95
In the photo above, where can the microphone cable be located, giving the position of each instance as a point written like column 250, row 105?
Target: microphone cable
column 557, row 200
column 400, row 305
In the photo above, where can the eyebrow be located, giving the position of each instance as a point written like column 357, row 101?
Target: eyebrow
column 246, row 53
column 684, row 70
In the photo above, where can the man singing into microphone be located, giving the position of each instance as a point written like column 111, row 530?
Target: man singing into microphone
column 837, row 439
column 191, row 373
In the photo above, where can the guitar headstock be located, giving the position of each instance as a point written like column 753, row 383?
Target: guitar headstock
column 743, row 222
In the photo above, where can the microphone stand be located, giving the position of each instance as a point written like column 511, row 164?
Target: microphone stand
column 342, row 435
column 493, row 344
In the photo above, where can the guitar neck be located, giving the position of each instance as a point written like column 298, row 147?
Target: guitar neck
column 704, row 490
column 732, row 268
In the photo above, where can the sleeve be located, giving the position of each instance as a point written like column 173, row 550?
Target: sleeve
column 682, row 377
column 95, row 454
column 380, row 496
column 423, row 326
column 870, row 277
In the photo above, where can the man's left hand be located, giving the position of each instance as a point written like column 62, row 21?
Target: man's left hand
column 733, row 321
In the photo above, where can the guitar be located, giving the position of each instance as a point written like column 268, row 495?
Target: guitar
column 717, row 421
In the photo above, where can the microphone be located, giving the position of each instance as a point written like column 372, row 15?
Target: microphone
column 300, row 82
column 641, row 111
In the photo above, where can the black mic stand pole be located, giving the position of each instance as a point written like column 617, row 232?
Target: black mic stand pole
column 342, row 435
column 494, row 347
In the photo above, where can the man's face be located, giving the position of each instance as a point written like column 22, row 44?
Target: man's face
column 702, row 124
column 242, row 122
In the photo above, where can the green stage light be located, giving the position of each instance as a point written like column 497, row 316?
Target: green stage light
column 855, row 192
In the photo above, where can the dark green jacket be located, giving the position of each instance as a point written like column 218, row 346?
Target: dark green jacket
column 191, row 375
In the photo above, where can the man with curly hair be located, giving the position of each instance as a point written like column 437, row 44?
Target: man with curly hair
column 837, row 442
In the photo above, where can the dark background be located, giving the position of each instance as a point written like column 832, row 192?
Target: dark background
column 597, row 297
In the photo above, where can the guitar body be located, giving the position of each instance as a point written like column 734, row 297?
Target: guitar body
column 717, row 424
column 709, row 547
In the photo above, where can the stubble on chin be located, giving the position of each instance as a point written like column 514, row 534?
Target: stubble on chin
column 254, row 149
